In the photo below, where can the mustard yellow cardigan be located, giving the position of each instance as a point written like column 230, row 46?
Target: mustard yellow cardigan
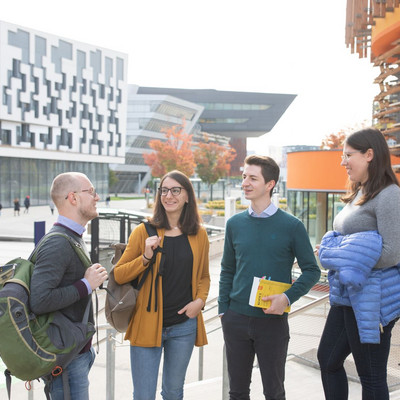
column 145, row 327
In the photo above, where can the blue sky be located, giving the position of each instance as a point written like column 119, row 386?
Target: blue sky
column 254, row 45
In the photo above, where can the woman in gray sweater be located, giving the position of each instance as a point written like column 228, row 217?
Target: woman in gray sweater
column 372, row 204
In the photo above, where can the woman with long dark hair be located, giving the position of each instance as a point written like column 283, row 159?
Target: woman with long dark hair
column 168, row 314
column 364, row 291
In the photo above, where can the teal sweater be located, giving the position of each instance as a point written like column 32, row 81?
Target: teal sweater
column 264, row 247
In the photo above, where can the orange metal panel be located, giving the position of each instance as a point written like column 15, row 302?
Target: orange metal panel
column 385, row 32
column 316, row 171
column 319, row 171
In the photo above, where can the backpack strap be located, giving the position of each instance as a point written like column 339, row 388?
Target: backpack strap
column 151, row 231
column 7, row 374
column 74, row 244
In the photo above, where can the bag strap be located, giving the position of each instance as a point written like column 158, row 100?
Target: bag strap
column 74, row 244
column 7, row 374
column 151, row 231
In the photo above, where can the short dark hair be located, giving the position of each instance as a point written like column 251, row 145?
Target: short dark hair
column 189, row 219
column 269, row 168
column 380, row 172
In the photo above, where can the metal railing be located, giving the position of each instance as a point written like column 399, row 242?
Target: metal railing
column 307, row 319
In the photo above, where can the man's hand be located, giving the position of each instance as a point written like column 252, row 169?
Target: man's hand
column 96, row 275
column 279, row 302
column 193, row 308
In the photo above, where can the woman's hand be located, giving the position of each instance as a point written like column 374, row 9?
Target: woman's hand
column 151, row 243
column 193, row 308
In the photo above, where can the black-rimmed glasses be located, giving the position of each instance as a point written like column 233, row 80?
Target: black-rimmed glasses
column 175, row 191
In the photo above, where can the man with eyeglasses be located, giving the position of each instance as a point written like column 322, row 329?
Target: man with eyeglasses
column 60, row 281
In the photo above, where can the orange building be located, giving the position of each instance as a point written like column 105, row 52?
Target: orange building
column 315, row 179
column 315, row 183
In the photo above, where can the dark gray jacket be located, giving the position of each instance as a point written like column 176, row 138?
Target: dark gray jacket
column 56, row 281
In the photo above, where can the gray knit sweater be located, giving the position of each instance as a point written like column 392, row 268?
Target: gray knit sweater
column 382, row 214
column 56, row 280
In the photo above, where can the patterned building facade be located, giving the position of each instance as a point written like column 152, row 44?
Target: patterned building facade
column 63, row 107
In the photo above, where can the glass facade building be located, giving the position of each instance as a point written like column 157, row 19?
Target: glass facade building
column 20, row 177
column 316, row 210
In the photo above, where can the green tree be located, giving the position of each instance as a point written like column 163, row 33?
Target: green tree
column 112, row 179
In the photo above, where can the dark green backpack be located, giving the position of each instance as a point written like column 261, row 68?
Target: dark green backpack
column 36, row 346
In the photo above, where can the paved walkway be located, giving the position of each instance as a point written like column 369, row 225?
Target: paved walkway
column 302, row 382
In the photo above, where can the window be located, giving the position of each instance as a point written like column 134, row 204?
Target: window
column 235, row 106
column 5, row 136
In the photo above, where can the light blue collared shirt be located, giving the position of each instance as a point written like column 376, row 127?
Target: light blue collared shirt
column 69, row 223
column 268, row 212
column 79, row 229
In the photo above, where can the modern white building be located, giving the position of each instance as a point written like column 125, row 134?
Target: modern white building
column 227, row 117
column 149, row 115
column 63, row 108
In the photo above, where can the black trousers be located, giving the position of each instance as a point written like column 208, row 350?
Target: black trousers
column 339, row 339
column 245, row 337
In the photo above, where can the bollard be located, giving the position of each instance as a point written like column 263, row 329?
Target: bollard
column 230, row 208
column 39, row 230
column 201, row 363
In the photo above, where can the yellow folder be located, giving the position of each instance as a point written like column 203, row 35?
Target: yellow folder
column 264, row 287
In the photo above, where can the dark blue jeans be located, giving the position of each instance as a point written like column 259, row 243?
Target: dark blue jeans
column 245, row 337
column 339, row 339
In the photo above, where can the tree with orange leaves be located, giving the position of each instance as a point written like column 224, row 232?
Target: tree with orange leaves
column 174, row 153
column 333, row 141
column 213, row 160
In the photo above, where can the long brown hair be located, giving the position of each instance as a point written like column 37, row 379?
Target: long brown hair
column 380, row 172
column 189, row 220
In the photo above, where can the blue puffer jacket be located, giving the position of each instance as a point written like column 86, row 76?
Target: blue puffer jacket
column 374, row 294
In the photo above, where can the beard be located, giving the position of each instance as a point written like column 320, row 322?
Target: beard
column 89, row 213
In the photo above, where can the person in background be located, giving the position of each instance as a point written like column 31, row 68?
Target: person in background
column 167, row 314
column 60, row 281
column 17, row 206
column 51, row 205
column 372, row 204
column 261, row 241
column 27, row 203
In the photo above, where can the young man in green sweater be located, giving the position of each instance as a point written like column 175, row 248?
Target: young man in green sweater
column 261, row 241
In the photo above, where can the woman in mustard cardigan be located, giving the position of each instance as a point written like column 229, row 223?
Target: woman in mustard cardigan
column 168, row 309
